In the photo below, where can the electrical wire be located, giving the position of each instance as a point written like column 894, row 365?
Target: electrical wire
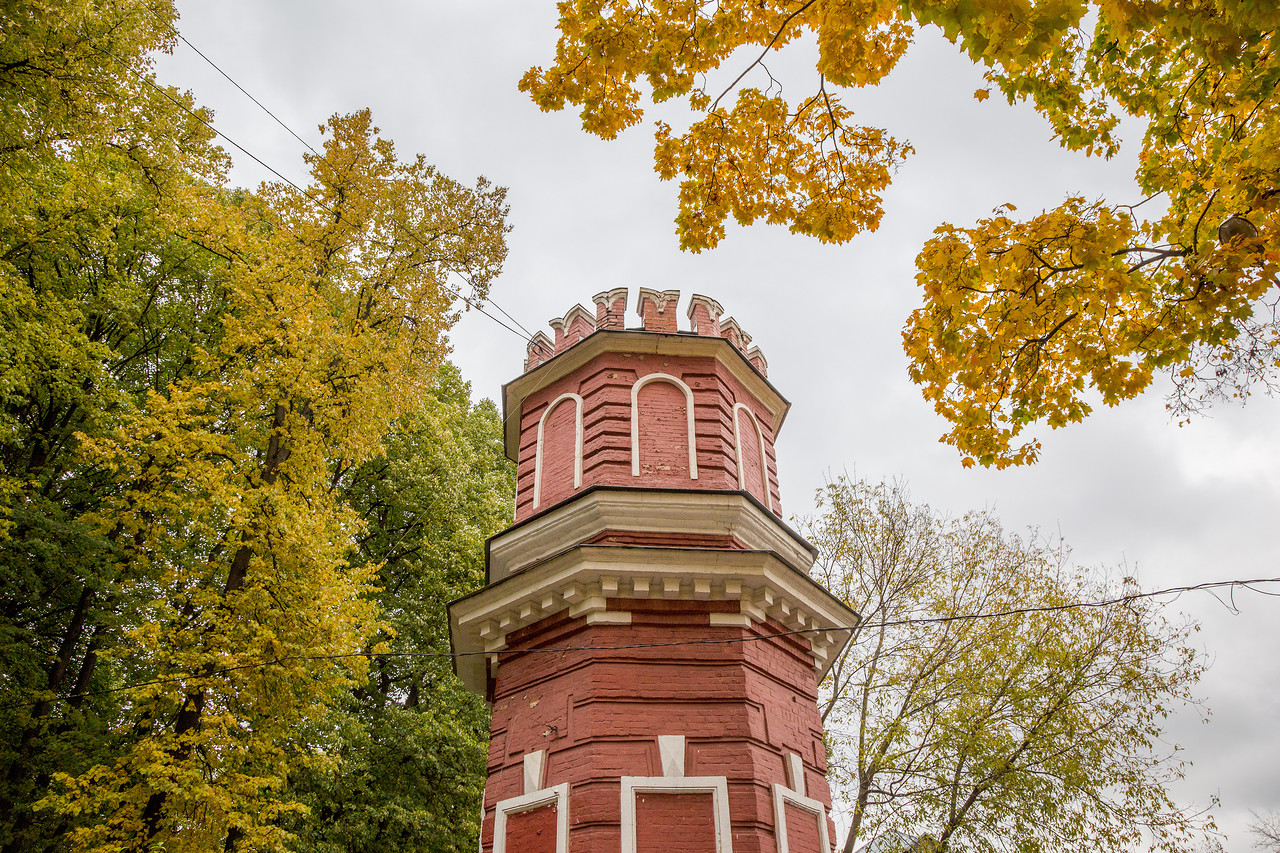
column 701, row 641
column 527, row 334
column 317, row 202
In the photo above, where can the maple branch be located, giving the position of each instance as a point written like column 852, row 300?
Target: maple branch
column 762, row 55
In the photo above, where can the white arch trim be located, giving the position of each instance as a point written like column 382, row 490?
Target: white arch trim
column 635, row 420
column 577, row 445
column 764, row 458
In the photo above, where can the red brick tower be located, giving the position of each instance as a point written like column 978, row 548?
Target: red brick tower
column 649, row 637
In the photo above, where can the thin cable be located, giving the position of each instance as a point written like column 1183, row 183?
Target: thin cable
column 703, row 641
column 245, row 92
column 528, row 335
column 318, row 203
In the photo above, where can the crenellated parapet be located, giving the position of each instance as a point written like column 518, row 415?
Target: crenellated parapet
column 611, row 308
column 658, row 313
column 650, row 407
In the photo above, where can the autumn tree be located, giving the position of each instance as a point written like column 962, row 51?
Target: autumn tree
column 1023, row 320
column 191, row 376
column 407, row 748
column 975, row 707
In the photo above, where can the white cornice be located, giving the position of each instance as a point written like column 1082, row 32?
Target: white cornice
column 632, row 341
column 677, row 511
column 581, row 580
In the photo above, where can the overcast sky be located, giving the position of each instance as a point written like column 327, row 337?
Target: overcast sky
column 1174, row 505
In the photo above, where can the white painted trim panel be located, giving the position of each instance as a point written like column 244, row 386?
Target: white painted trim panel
column 558, row 794
column 577, row 445
column 666, row 512
column 717, row 786
column 783, row 795
column 635, row 420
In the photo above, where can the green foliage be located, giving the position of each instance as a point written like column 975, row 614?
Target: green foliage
column 192, row 380
column 407, row 763
column 1035, row 731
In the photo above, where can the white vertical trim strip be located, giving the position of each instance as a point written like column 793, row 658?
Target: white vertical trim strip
column 671, row 753
column 635, row 420
column 535, row 766
column 577, row 446
column 795, row 773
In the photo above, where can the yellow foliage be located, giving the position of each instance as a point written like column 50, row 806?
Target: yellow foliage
column 1023, row 322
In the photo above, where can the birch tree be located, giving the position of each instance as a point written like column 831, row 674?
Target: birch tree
column 976, row 708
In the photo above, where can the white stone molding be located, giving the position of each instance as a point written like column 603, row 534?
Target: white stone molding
column 558, row 794
column 783, row 795
column 535, row 770
column 671, row 754
column 795, row 773
column 608, row 297
column 755, row 353
column 717, row 786
column 764, row 457
column 577, row 445
column 635, row 420
column 660, row 298
column 584, row 579
column 729, row 324
column 714, row 309
column 674, row 511
column 539, row 346
column 565, row 322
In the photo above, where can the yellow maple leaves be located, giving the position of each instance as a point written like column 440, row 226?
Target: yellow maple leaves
column 1023, row 321
column 752, row 154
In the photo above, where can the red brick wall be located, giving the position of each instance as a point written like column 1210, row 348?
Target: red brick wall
column 598, row 712
column 534, row 831
column 675, row 823
column 662, row 415
column 753, row 474
column 605, row 386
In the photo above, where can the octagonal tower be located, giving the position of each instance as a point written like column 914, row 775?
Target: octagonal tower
column 649, row 636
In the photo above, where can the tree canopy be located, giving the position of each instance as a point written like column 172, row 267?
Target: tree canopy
column 197, row 386
column 1036, row 726
column 1023, row 321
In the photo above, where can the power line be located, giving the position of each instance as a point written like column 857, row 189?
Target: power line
column 318, row 203
column 527, row 334
column 702, row 641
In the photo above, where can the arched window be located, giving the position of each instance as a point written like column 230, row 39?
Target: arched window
column 753, row 468
column 565, row 444
column 655, row 444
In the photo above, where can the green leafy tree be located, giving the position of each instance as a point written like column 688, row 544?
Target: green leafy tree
column 1036, row 730
column 407, row 752
column 190, row 374
column 102, row 299
column 1023, row 321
